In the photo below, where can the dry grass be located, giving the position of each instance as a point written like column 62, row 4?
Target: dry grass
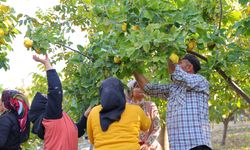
column 238, row 136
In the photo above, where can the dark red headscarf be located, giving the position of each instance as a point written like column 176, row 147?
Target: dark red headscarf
column 15, row 101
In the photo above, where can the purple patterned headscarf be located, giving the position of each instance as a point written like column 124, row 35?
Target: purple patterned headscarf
column 15, row 101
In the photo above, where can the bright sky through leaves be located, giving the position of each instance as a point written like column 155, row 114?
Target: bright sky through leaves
column 21, row 63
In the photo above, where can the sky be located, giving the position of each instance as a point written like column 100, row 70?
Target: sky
column 20, row 60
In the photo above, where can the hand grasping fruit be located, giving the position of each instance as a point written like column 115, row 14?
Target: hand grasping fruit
column 174, row 58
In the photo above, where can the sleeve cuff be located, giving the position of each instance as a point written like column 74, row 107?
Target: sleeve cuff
column 147, row 88
column 51, row 71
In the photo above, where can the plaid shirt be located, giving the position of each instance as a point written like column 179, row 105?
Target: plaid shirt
column 187, row 110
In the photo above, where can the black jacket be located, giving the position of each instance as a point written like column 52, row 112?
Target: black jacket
column 9, row 131
column 50, row 106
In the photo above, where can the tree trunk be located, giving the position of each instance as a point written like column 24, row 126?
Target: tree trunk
column 166, row 143
column 161, row 136
column 225, row 124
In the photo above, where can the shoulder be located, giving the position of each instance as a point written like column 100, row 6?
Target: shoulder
column 96, row 110
column 202, row 79
column 133, row 108
column 8, row 118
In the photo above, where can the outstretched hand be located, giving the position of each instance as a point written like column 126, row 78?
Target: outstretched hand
column 144, row 147
column 171, row 66
column 86, row 113
column 43, row 61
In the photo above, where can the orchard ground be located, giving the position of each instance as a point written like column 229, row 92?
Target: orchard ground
column 238, row 137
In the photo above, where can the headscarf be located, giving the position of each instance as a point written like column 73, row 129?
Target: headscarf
column 112, row 100
column 15, row 101
column 36, row 113
column 131, row 85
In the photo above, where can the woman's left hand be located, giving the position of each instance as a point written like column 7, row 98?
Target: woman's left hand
column 144, row 147
column 86, row 113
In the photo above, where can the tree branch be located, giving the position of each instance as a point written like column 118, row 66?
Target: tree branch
column 231, row 83
column 90, row 58
column 220, row 16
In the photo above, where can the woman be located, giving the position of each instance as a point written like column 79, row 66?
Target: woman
column 148, row 140
column 49, row 120
column 115, row 125
column 14, row 122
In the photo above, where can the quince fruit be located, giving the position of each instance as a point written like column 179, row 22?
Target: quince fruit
column 2, row 41
column 136, row 27
column 1, row 32
column 4, row 8
column 117, row 60
column 191, row 45
column 124, row 27
column 38, row 50
column 248, row 10
column 28, row 43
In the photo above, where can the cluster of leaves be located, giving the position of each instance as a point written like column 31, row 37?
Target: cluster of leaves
column 224, row 101
column 8, row 32
column 142, row 34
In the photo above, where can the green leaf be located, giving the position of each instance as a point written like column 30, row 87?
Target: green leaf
column 146, row 46
column 243, row 2
column 80, row 48
column 94, row 102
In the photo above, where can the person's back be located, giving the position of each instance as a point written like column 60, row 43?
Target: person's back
column 122, row 134
column 60, row 133
column 9, row 131
column 14, row 121
column 49, row 120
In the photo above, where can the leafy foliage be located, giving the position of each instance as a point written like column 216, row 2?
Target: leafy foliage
column 142, row 34
column 8, row 22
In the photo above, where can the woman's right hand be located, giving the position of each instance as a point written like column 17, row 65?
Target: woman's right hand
column 144, row 147
column 43, row 61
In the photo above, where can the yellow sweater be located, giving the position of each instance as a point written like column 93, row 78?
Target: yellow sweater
column 122, row 134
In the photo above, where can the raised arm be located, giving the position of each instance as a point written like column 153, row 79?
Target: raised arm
column 44, row 61
column 190, row 81
column 153, row 90
column 90, row 129
column 55, row 94
column 141, row 80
